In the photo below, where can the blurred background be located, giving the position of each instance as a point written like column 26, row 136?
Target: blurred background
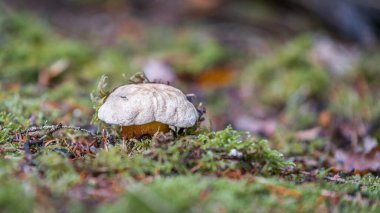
column 304, row 74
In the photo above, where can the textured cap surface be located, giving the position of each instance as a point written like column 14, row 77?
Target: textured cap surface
column 137, row 104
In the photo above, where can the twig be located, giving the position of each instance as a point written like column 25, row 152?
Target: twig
column 124, row 146
column 336, row 179
column 54, row 128
column 105, row 139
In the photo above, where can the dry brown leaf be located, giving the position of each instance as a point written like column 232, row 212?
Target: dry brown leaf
column 324, row 119
column 283, row 191
column 359, row 162
column 308, row 134
column 205, row 194
column 47, row 75
column 234, row 174
column 216, row 78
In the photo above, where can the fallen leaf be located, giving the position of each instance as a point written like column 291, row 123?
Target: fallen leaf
column 47, row 75
column 283, row 191
column 205, row 194
column 337, row 58
column 256, row 126
column 359, row 162
column 324, row 119
column 232, row 174
column 308, row 134
column 203, row 5
column 216, row 78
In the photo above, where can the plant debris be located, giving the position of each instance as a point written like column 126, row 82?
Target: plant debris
column 308, row 100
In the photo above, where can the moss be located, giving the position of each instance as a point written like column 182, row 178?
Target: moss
column 14, row 115
column 368, row 185
column 187, row 51
column 110, row 161
column 205, row 194
column 16, row 196
column 287, row 71
column 19, row 111
column 57, row 170
column 253, row 151
column 113, row 62
column 206, row 154
column 29, row 47
column 368, row 69
column 349, row 103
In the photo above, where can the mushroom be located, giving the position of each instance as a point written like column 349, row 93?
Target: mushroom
column 144, row 109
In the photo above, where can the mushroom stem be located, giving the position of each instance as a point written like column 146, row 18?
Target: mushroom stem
column 137, row 131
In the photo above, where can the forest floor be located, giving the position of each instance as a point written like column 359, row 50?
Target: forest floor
column 292, row 121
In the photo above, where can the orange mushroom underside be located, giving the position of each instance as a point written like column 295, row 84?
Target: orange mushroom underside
column 138, row 131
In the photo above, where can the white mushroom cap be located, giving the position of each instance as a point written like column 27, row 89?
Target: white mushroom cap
column 137, row 104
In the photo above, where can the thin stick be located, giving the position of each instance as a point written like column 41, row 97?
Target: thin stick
column 105, row 139
column 124, row 146
column 54, row 128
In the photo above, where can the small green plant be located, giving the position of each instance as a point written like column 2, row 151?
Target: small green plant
column 98, row 97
